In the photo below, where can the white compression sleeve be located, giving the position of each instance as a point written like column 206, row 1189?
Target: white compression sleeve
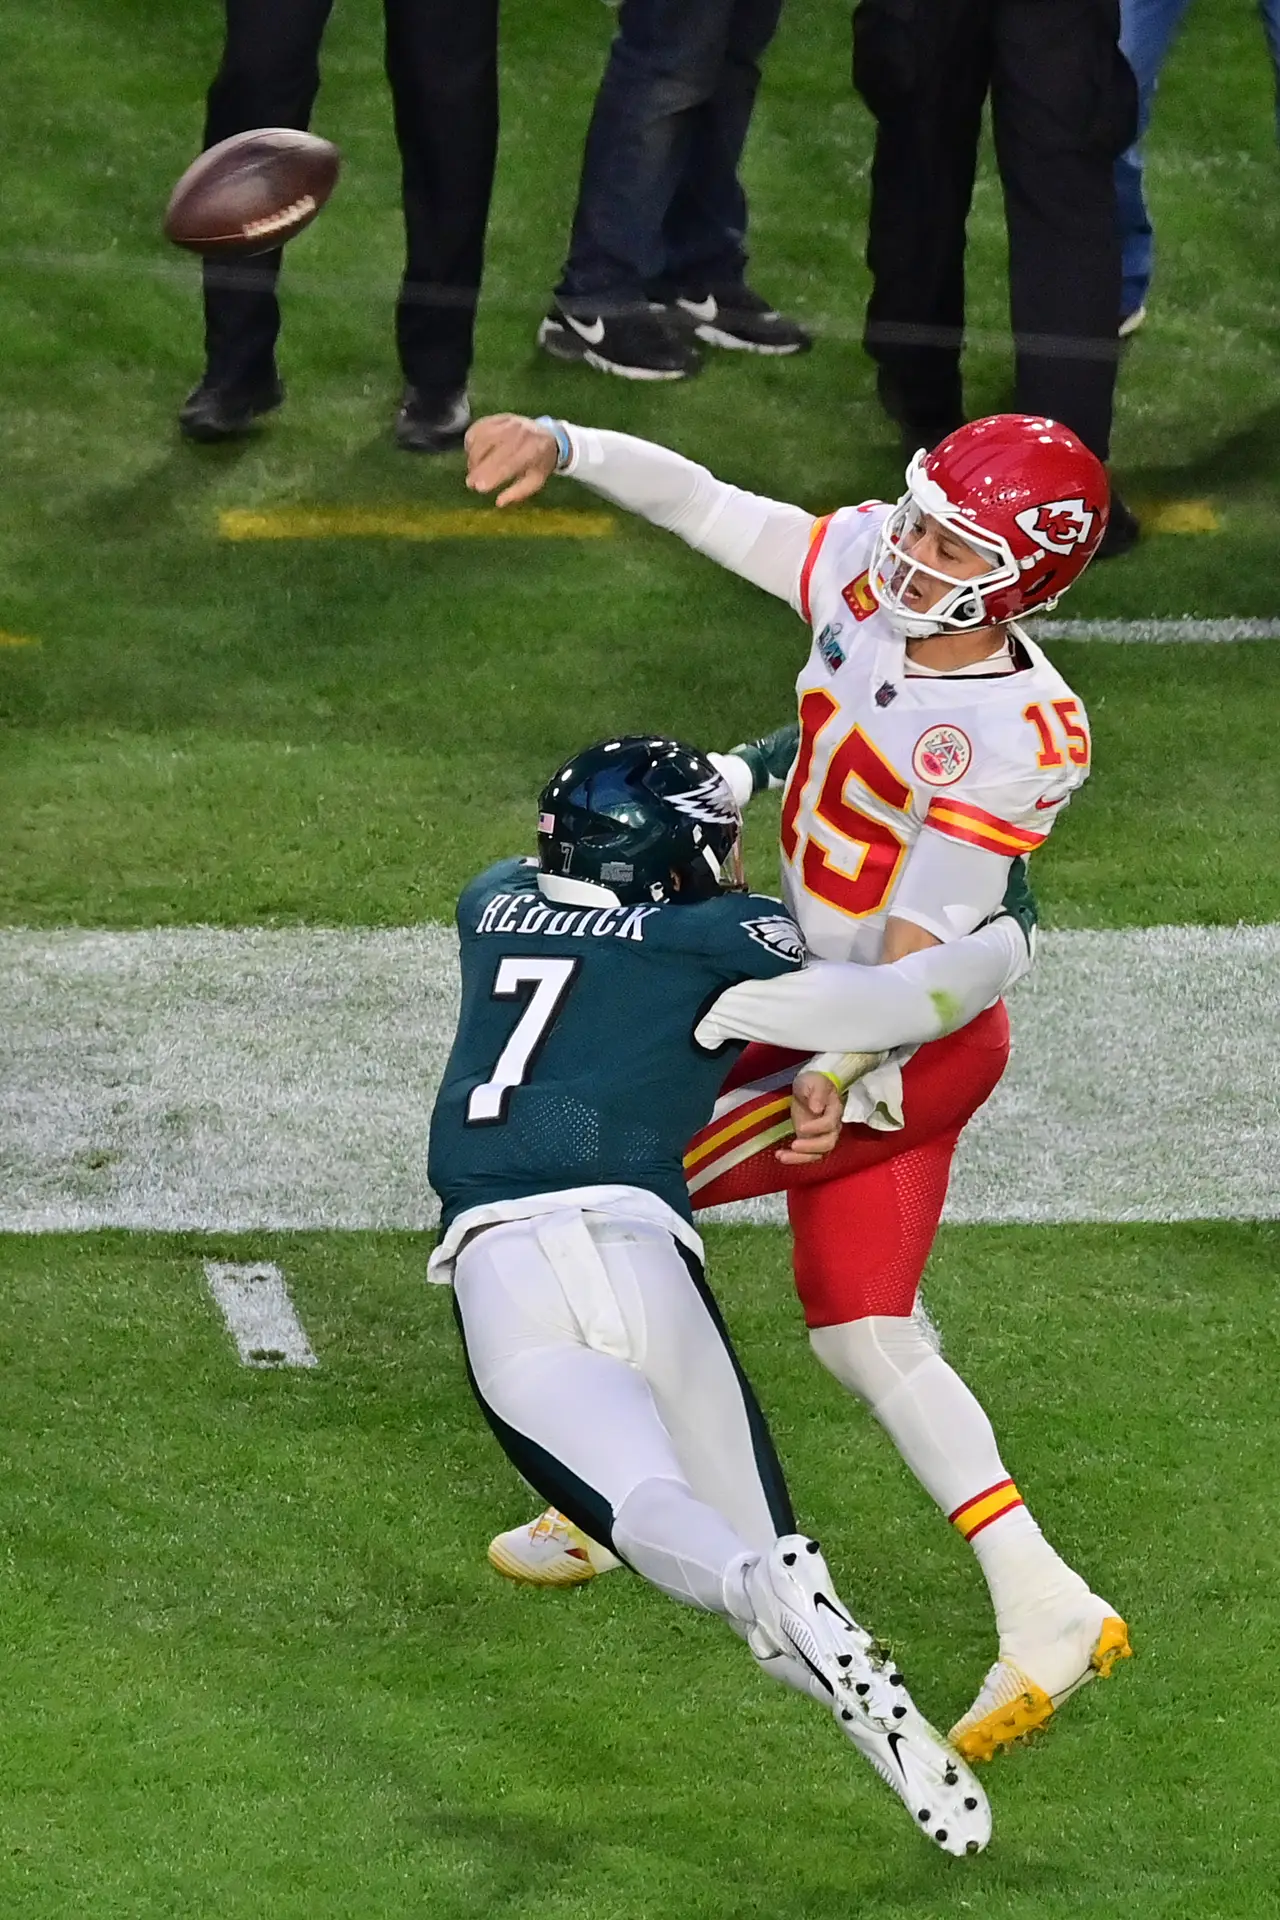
column 765, row 541
column 846, row 1008
column 949, row 888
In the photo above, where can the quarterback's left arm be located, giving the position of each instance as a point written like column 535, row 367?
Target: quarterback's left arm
column 853, row 1009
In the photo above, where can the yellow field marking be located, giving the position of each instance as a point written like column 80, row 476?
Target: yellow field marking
column 17, row 640
column 1178, row 516
column 399, row 523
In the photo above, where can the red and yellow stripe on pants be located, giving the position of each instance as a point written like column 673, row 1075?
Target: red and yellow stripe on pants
column 745, row 1122
column 979, row 1512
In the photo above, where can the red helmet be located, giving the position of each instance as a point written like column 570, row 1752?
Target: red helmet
column 1022, row 490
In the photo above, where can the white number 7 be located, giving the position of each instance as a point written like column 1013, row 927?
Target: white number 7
column 551, row 980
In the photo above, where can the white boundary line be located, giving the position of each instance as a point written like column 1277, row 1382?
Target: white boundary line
column 195, row 1079
column 1159, row 632
column 256, row 1306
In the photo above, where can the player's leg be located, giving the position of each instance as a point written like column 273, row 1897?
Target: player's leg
column 580, row 1423
column 864, row 1222
column 561, row 1329
column 861, row 1246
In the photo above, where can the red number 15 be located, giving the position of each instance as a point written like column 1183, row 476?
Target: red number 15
column 865, row 889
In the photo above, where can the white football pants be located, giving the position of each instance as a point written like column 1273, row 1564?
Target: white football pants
column 601, row 1362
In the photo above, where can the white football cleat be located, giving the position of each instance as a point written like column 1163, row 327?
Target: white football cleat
column 550, row 1552
column 1039, row 1667
column 803, row 1635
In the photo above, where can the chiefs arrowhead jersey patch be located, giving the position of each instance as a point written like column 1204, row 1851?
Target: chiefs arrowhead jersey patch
column 942, row 755
column 779, row 934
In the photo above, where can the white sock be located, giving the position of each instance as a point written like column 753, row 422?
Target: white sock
column 942, row 1432
column 684, row 1547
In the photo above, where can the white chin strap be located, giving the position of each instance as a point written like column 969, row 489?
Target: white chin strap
column 963, row 606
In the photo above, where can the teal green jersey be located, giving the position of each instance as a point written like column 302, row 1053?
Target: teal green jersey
column 574, row 1063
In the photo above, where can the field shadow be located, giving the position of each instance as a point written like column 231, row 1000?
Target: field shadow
column 1244, row 458
column 164, row 494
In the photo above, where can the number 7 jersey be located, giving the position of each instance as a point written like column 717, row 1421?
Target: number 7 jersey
column 890, row 757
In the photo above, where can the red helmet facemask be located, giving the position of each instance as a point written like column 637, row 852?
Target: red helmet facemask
column 1024, row 493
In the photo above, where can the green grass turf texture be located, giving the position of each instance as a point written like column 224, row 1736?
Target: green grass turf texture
column 343, row 732
column 257, row 1663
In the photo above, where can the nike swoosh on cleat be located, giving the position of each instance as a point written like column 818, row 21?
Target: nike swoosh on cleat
column 821, row 1600
column 703, row 311
column 895, row 1741
column 593, row 333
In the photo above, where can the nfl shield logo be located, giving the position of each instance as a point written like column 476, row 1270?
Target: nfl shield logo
column 885, row 693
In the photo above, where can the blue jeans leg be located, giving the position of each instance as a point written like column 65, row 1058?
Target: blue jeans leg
column 1270, row 12
column 705, row 230
column 664, row 67
column 1147, row 28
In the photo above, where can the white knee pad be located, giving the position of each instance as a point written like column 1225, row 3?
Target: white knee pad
column 874, row 1355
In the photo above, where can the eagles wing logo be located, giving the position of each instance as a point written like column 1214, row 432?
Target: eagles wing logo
column 1057, row 525
column 779, row 934
column 711, row 801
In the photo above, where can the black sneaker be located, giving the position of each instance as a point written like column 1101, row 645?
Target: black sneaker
column 212, row 413
column 643, row 343
column 1124, row 530
column 918, row 428
column 432, row 422
column 738, row 318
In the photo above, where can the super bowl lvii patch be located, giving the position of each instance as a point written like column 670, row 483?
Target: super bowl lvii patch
column 828, row 644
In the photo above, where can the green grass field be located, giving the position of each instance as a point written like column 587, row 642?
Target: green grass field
column 255, row 1662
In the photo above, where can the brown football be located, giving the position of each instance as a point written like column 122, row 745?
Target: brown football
column 253, row 192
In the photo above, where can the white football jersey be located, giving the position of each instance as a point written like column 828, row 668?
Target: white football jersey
column 895, row 763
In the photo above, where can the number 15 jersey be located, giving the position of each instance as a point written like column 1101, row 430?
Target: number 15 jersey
column 896, row 765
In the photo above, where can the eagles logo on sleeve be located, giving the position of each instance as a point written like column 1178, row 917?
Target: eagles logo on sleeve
column 779, row 935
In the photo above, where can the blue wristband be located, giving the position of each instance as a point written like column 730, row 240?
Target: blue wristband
column 564, row 450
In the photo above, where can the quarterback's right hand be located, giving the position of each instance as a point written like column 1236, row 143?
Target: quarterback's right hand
column 817, row 1114
column 509, row 451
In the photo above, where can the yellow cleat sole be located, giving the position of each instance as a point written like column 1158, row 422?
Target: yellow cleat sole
column 1031, row 1710
column 568, row 1571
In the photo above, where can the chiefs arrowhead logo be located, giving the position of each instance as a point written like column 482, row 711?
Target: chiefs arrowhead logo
column 1057, row 525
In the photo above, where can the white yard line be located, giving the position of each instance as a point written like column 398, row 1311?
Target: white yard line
column 256, row 1306
column 221, row 1081
column 1158, row 632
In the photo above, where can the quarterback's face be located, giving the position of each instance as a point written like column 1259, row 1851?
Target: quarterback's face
column 926, row 541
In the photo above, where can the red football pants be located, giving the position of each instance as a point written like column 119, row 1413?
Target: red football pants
column 863, row 1220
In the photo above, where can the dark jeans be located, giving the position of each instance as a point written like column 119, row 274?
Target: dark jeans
column 442, row 63
column 1064, row 107
column 1147, row 31
column 660, row 208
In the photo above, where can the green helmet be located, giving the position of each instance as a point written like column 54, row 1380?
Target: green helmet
column 650, row 819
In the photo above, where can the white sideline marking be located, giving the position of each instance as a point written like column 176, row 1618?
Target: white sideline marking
column 1159, row 632
column 256, row 1307
column 195, row 1079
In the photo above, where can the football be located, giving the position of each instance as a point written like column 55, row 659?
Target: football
column 253, row 192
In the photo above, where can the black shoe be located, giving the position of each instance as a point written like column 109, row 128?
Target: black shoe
column 643, row 343
column 226, row 413
column 737, row 317
column 1124, row 530
column 919, row 428
column 432, row 422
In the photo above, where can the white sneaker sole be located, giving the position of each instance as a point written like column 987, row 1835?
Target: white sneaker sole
column 601, row 365
column 715, row 338
column 869, row 1699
